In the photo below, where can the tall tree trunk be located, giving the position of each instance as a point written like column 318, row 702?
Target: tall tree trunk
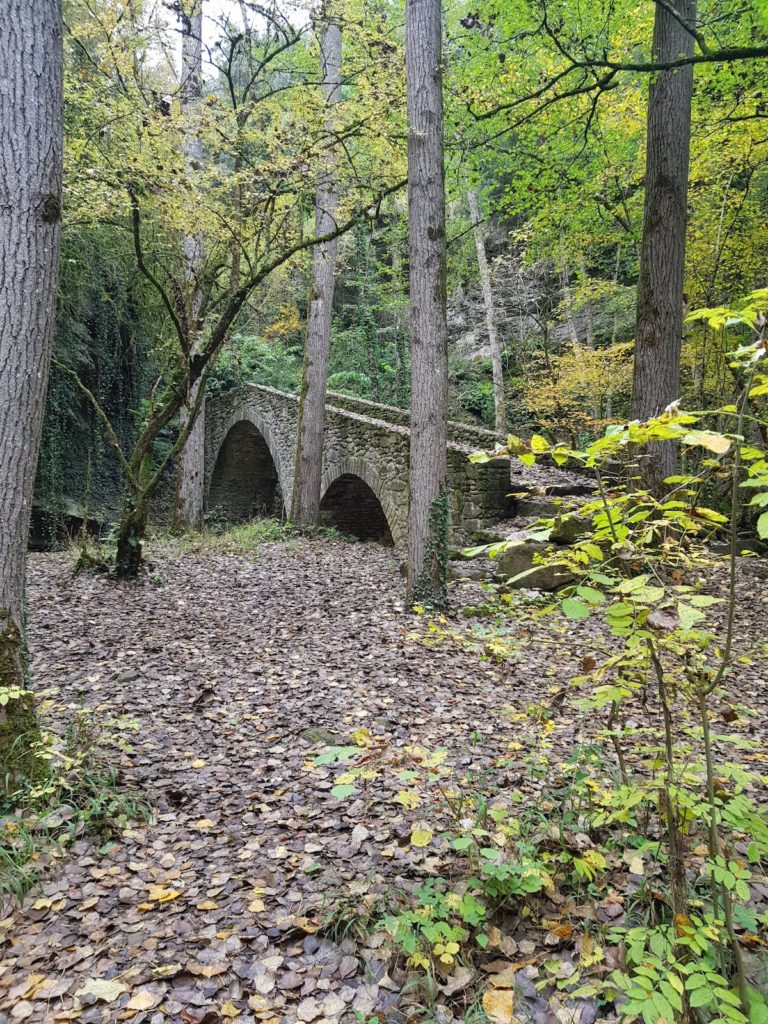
column 31, row 127
column 400, row 328
column 659, row 328
column 589, row 325
column 189, row 473
column 565, row 284
column 428, row 511
column 490, row 313
column 305, row 507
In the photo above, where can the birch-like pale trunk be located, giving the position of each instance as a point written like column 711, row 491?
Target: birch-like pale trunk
column 305, row 507
column 427, row 518
column 189, row 472
column 497, row 368
column 658, row 335
column 31, row 130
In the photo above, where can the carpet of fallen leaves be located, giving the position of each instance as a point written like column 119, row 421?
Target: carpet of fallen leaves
column 235, row 671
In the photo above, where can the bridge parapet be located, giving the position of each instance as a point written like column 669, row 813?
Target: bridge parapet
column 467, row 434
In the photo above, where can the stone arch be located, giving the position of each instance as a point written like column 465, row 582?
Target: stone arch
column 346, row 504
column 247, row 475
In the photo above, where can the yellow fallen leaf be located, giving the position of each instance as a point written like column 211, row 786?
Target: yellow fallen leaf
column 256, row 906
column 166, row 970
column 636, row 866
column 421, row 835
column 408, row 798
column 208, row 905
column 199, row 763
column 204, row 823
column 143, row 999
column 163, row 895
column 361, row 737
column 499, row 1006
column 102, row 990
column 145, row 906
column 229, row 1009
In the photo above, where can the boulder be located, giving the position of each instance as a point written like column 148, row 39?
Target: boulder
column 569, row 528
column 519, row 557
column 478, row 569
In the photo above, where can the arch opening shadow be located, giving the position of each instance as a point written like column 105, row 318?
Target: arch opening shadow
column 351, row 506
column 244, row 484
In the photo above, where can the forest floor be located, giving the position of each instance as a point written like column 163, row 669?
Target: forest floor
column 227, row 675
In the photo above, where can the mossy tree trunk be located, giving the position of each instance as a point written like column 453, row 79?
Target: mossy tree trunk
column 133, row 524
column 31, row 136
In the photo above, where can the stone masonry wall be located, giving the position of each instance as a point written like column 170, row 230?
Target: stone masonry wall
column 362, row 439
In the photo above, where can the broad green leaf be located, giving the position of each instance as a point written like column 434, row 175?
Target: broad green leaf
column 575, row 609
column 343, row 791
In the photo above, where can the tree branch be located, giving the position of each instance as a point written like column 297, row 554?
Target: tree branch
column 153, row 280
column 104, row 419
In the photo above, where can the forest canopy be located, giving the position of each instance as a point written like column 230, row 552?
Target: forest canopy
column 545, row 109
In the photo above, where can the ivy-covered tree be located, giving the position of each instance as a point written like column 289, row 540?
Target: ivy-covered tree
column 31, row 143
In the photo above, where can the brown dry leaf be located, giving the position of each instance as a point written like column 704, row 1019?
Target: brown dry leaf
column 167, row 970
column 208, row 970
column 664, row 619
column 499, row 1006
column 637, row 866
column 143, row 999
column 458, row 981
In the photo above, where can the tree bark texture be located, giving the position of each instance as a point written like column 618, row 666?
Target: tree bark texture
column 659, row 328
column 305, row 507
column 31, row 128
column 427, row 523
column 497, row 368
column 189, row 475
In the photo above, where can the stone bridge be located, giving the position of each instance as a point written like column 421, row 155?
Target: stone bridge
column 250, row 447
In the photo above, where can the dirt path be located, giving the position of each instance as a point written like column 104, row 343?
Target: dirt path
column 227, row 675
column 222, row 664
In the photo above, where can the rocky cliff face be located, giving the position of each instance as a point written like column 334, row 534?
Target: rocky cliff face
column 533, row 305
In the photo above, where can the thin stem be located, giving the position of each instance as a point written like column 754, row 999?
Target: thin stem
column 679, row 894
column 716, row 850
column 735, row 515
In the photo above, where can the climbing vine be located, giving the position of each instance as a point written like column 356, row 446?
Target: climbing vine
column 431, row 589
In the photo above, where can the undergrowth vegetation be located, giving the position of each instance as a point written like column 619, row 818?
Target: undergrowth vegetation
column 218, row 537
column 75, row 792
column 637, row 847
